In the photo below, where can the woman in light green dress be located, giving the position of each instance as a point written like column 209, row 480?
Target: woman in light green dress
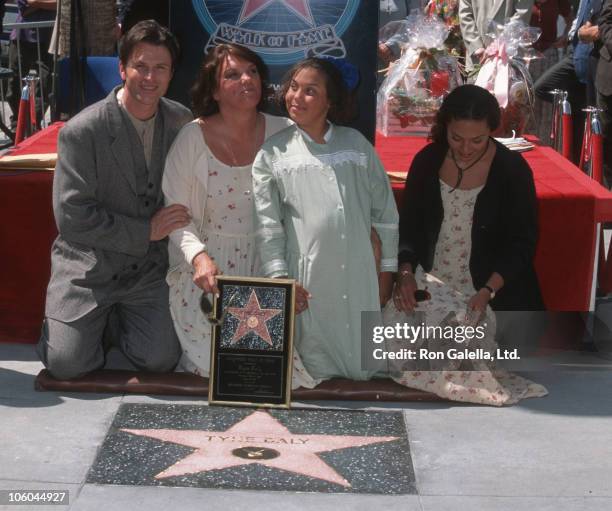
column 319, row 190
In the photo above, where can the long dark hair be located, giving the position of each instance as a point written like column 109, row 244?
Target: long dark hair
column 465, row 103
column 207, row 82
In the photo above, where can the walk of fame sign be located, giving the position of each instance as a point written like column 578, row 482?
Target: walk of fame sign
column 252, row 342
column 281, row 32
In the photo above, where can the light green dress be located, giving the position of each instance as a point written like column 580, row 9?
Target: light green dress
column 315, row 207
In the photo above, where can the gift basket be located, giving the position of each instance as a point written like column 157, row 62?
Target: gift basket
column 448, row 12
column 416, row 84
column 505, row 74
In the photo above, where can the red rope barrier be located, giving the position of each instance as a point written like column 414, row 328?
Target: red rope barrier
column 597, row 158
column 567, row 136
column 22, row 116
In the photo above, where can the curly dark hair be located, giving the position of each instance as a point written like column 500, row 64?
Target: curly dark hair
column 151, row 32
column 465, row 103
column 207, row 82
column 340, row 100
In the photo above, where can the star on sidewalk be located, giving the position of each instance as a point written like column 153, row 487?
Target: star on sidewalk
column 252, row 7
column 252, row 319
column 250, row 440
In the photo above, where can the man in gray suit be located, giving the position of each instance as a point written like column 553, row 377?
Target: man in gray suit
column 474, row 19
column 110, row 259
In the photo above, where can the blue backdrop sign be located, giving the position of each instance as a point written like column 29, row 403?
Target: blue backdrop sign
column 282, row 32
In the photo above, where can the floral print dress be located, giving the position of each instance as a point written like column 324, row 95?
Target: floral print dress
column 226, row 228
column 450, row 284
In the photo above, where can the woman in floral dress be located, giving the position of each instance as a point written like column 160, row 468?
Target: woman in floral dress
column 468, row 230
column 208, row 169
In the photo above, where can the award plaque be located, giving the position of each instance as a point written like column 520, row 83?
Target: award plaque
column 252, row 342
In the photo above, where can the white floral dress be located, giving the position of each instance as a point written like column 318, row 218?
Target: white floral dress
column 450, row 284
column 220, row 200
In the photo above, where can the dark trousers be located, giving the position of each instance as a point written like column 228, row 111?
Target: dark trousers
column 563, row 76
column 29, row 60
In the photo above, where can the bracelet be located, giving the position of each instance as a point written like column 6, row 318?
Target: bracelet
column 404, row 273
column 490, row 290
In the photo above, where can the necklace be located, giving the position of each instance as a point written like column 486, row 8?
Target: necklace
column 228, row 148
column 253, row 149
column 462, row 170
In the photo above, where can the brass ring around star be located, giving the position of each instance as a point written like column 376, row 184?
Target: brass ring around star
column 256, row 453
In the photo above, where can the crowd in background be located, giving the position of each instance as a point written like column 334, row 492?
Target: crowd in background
column 573, row 51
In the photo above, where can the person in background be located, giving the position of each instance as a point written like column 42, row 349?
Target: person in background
column 544, row 16
column 575, row 73
column 603, row 84
column 30, row 41
column 96, row 30
column 475, row 17
column 390, row 11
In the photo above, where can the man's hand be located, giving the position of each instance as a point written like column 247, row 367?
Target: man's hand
column 588, row 33
column 167, row 220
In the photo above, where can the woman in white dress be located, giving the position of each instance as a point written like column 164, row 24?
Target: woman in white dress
column 208, row 169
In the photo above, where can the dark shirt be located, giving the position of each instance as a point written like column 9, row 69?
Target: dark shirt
column 504, row 229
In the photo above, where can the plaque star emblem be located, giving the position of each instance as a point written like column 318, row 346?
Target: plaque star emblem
column 258, row 438
column 252, row 7
column 252, row 319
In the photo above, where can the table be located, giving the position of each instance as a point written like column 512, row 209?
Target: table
column 570, row 206
column 27, row 230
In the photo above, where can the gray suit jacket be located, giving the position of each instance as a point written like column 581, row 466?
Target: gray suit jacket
column 475, row 16
column 103, row 218
column 603, row 79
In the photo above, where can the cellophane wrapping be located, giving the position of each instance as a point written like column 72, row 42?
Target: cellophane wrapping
column 418, row 81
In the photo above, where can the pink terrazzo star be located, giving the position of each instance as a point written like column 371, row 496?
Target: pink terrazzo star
column 296, row 453
column 252, row 7
column 252, row 319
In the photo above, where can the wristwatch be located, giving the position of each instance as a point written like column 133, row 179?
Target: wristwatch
column 490, row 290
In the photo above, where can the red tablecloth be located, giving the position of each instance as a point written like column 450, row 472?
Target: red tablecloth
column 570, row 205
column 43, row 142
